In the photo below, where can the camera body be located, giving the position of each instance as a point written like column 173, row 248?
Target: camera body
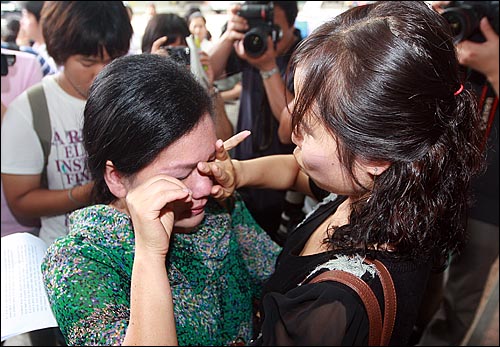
column 179, row 54
column 260, row 20
column 7, row 60
column 464, row 18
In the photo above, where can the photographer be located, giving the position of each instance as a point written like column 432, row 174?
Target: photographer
column 167, row 34
column 264, row 96
column 468, row 272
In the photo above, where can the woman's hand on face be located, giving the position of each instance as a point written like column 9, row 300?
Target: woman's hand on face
column 150, row 205
column 222, row 169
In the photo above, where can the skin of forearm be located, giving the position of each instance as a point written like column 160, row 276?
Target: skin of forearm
column 152, row 319
column 277, row 100
column 274, row 172
column 43, row 202
column 231, row 94
column 219, row 55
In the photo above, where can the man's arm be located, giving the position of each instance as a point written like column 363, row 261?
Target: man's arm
column 27, row 200
column 236, row 27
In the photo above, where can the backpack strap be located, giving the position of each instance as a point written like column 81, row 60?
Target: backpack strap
column 41, row 124
column 380, row 332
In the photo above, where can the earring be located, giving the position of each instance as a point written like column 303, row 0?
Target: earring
column 375, row 171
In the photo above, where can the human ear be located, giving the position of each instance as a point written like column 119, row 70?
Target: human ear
column 115, row 180
column 377, row 168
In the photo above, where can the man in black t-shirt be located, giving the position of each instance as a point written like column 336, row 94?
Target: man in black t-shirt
column 263, row 104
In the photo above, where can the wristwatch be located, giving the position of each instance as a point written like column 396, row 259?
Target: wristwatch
column 266, row 74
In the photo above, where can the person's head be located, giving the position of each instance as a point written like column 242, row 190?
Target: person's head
column 190, row 11
column 376, row 118
column 10, row 30
column 165, row 24
column 285, row 13
column 197, row 25
column 151, row 9
column 130, row 11
column 147, row 115
column 30, row 20
column 84, row 36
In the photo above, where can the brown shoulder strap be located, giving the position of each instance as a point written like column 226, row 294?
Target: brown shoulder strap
column 380, row 332
column 390, row 301
column 367, row 296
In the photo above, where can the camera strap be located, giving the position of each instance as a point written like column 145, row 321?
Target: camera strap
column 488, row 103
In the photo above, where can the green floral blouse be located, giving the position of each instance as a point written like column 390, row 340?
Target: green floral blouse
column 215, row 273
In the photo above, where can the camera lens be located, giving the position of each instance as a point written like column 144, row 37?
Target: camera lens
column 464, row 21
column 455, row 23
column 255, row 42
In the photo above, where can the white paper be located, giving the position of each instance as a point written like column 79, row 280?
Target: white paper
column 25, row 306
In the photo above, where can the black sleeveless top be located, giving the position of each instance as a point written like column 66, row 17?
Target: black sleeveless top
column 330, row 313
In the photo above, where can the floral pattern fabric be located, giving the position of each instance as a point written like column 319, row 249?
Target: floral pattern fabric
column 215, row 273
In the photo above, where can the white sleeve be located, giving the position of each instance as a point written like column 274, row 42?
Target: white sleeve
column 21, row 150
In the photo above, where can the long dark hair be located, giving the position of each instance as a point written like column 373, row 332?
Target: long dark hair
column 138, row 105
column 382, row 78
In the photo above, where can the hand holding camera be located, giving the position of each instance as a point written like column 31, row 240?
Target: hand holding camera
column 464, row 18
column 474, row 27
column 236, row 26
column 260, row 19
column 484, row 56
column 179, row 53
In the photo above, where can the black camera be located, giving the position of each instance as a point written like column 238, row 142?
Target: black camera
column 7, row 60
column 260, row 20
column 464, row 18
column 179, row 54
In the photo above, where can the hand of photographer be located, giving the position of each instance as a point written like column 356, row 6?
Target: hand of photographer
column 439, row 6
column 482, row 56
column 265, row 62
column 156, row 46
column 235, row 31
column 236, row 25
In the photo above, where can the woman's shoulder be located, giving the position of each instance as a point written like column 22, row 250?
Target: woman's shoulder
column 93, row 231
column 96, row 214
column 321, row 310
column 97, row 226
